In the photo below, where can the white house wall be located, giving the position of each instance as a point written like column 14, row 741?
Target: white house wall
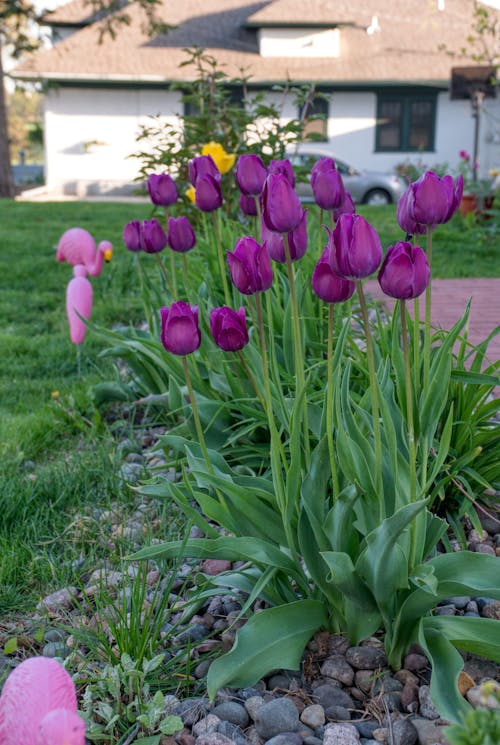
column 90, row 134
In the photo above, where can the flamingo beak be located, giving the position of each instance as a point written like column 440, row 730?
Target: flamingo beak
column 108, row 254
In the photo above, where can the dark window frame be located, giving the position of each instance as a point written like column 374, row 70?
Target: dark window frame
column 406, row 100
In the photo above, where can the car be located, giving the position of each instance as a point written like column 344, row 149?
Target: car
column 366, row 187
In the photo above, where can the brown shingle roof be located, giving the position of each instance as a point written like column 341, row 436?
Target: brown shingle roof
column 76, row 12
column 406, row 49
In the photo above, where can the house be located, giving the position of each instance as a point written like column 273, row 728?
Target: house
column 380, row 63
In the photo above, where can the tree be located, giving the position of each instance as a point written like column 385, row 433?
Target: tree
column 19, row 17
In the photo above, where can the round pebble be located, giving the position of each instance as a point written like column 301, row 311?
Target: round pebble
column 366, row 658
column 231, row 711
column 275, row 717
column 313, row 715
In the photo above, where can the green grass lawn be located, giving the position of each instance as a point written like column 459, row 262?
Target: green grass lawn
column 56, row 454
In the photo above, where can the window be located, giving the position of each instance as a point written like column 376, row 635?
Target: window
column 315, row 118
column 405, row 122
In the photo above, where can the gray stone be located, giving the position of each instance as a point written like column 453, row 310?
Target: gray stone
column 313, row 740
column 366, row 658
column 341, row 734
column 313, row 715
column 330, row 695
column 338, row 668
column 381, row 734
column 364, row 680
column 191, row 709
column 415, row 662
column 253, row 704
column 214, row 738
column 130, row 472
column 206, row 725
column 404, row 733
column 429, row 732
column 445, row 610
column 459, row 601
column 427, row 708
column 472, row 607
column 285, row 738
column 279, row 680
column 201, row 669
column 366, row 727
column 387, row 684
column 232, row 731
column 338, row 713
column 231, row 711
column 279, row 715
column 193, row 633
column 55, row 649
column 55, row 635
column 59, row 600
column 366, row 741
column 482, row 601
column 170, row 702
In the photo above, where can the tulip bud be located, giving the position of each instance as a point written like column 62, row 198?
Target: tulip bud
column 250, row 175
column 153, row 238
column 346, row 208
column 435, row 200
column 248, row 206
column 327, row 284
column 281, row 206
column 201, row 166
column 180, row 332
column 404, row 214
column 282, row 168
column 132, row 235
column 404, row 272
column 162, row 189
column 327, row 185
column 229, row 328
column 297, row 241
column 356, row 251
column 250, row 266
column 208, row 195
column 181, row 236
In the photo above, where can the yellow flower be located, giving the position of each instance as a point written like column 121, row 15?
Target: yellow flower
column 224, row 161
column 191, row 194
column 494, row 172
column 54, row 394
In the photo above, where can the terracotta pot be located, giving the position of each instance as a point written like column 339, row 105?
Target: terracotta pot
column 478, row 205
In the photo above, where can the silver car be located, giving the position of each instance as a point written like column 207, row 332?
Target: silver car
column 367, row 187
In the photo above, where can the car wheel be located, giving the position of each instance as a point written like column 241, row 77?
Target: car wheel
column 377, row 196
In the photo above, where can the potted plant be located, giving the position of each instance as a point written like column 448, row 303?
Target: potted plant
column 479, row 194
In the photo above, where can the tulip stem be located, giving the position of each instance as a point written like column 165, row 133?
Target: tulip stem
column 416, row 342
column 172, row 271
column 298, row 350
column 409, row 403
column 427, row 337
column 165, row 275
column 374, row 390
column 220, row 255
column 196, row 415
column 184, row 266
column 329, row 399
column 252, row 380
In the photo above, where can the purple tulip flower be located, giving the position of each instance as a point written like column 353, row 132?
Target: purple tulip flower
column 250, row 266
column 208, row 193
column 153, row 238
column 281, row 206
column 250, row 175
column 346, row 208
column 248, row 206
column 297, row 241
column 229, row 328
column 162, row 189
column 405, row 215
column 356, row 248
column 180, row 331
column 132, row 235
column 181, row 236
column 201, row 166
column 404, row 273
column 327, row 284
column 282, row 168
column 434, row 200
column 327, row 184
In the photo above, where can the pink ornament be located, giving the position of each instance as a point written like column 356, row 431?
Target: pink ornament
column 76, row 246
column 38, row 706
column 79, row 297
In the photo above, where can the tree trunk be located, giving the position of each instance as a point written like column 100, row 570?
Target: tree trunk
column 6, row 179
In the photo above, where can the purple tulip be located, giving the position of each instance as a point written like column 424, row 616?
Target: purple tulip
column 327, row 284
column 229, row 328
column 153, row 238
column 346, row 208
column 250, row 175
column 132, row 235
column 162, row 189
column 405, row 214
column 327, row 184
column 297, row 241
column 356, row 249
column 250, row 266
column 248, row 206
column 201, row 166
column 180, row 332
column 181, row 236
column 434, row 200
column 208, row 193
column 404, row 272
column 282, row 168
column 281, row 206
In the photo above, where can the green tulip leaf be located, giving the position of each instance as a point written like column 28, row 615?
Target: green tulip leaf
column 270, row 640
column 344, row 577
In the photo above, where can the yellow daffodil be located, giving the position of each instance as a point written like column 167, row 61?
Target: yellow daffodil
column 54, row 394
column 224, row 161
column 494, row 172
column 191, row 194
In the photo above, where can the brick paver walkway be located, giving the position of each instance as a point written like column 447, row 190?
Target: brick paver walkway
column 449, row 298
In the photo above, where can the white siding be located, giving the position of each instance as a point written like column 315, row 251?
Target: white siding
column 299, row 42
column 75, row 117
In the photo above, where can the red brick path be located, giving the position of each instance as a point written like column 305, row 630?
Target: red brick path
column 449, row 298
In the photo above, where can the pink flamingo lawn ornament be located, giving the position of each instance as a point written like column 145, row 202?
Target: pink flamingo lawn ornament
column 77, row 247
column 38, row 706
